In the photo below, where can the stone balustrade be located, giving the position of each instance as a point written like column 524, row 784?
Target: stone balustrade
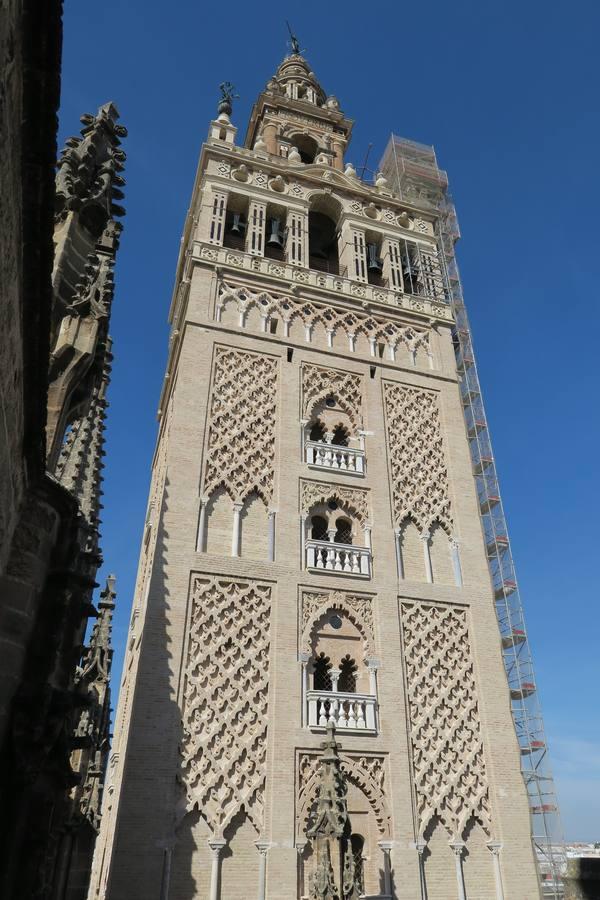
column 348, row 712
column 332, row 456
column 343, row 559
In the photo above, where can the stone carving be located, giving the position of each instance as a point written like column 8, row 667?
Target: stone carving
column 418, row 463
column 447, row 748
column 318, row 383
column 367, row 771
column 225, row 699
column 332, row 319
column 241, row 440
column 353, row 499
column 359, row 610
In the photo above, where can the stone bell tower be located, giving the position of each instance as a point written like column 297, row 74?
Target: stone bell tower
column 312, row 554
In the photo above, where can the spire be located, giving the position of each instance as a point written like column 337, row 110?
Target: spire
column 334, row 877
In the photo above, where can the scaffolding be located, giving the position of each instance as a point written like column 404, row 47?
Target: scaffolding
column 415, row 177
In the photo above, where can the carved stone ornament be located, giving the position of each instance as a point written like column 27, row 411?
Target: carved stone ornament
column 241, row 439
column 367, row 771
column 225, row 701
column 349, row 323
column 448, row 760
column 419, row 469
column 359, row 610
column 319, row 383
column 354, row 500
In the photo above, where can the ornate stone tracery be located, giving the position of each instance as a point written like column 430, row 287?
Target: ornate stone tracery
column 353, row 499
column 311, row 313
column 447, row 747
column 359, row 610
column 241, row 441
column 225, row 701
column 318, row 383
column 418, row 464
column 366, row 771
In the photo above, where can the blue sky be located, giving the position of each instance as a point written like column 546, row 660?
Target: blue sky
column 507, row 93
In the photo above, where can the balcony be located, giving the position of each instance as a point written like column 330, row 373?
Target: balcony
column 341, row 559
column 348, row 712
column 330, row 456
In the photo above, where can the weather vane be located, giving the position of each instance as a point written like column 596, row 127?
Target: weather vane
column 293, row 39
column 227, row 96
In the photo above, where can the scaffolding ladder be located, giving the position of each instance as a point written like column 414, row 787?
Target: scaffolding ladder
column 413, row 174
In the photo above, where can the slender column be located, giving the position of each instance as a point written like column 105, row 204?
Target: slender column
column 264, row 321
column 420, row 847
column 427, row 557
column 242, row 318
column 303, row 438
column 391, row 351
column 235, row 538
column 308, row 333
column 303, row 658
column 330, row 337
column 167, row 847
column 367, row 533
column 372, row 665
column 456, row 562
column 458, row 847
column 286, row 327
column 303, row 518
column 263, row 848
column 201, row 539
column 351, row 339
column 216, row 846
column 372, row 346
column 397, row 541
column 271, row 516
column 218, row 311
column 335, row 677
column 300, row 845
column 386, row 847
column 495, row 847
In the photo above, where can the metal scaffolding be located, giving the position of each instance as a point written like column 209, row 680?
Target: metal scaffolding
column 414, row 176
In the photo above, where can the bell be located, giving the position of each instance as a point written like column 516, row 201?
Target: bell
column 275, row 238
column 238, row 225
column 374, row 264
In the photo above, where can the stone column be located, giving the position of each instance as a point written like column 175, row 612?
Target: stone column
column 300, row 846
column 456, row 562
column 420, row 848
column 367, row 533
column 458, row 847
column 235, row 537
column 303, row 518
column 386, row 847
column 215, row 846
column 271, row 515
column 427, row 557
column 495, row 847
column 397, row 541
column 201, row 539
column 262, row 847
column 335, row 677
column 372, row 665
column 303, row 659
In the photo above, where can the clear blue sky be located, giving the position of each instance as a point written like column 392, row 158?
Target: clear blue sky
column 508, row 94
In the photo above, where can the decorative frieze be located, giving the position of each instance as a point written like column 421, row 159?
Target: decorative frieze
column 449, row 771
column 225, row 701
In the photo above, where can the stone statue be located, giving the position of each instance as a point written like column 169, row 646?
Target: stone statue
column 227, row 96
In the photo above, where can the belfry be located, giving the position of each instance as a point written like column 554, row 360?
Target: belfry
column 322, row 550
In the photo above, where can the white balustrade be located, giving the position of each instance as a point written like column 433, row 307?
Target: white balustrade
column 354, row 712
column 343, row 559
column 332, row 456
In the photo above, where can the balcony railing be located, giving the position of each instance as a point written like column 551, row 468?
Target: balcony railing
column 332, row 456
column 340, row 558
column 348, row 712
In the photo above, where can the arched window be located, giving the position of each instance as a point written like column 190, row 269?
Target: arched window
column 341, row 437
column 357, row 845
column 318, row 528
column 343, row 533
column 347, row 679
column 322, row 243
column 321, row 676
column 317, row 431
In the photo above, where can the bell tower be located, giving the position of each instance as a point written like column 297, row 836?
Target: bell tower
column 312, row 556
